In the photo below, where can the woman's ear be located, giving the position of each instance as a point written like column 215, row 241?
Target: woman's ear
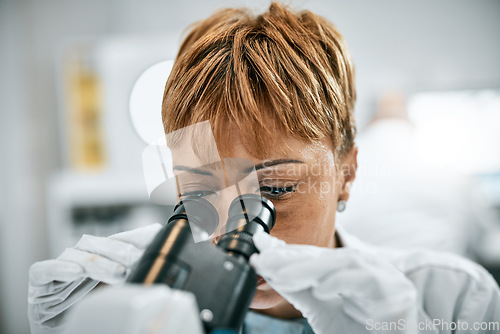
column 348, row 170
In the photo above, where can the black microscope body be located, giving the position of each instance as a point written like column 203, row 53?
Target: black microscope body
column 219, row 275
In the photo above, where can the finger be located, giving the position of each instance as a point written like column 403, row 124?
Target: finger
column 48, row 271
column 49, row 289
column 297, row 267
column 139, row 237
column 290, row 274
column 115, row 250
column 95, row 266
column 275, row 258
column 315, row 258
column 54, row 292
column 254, row 259
column 41, row 310
column 263, row 241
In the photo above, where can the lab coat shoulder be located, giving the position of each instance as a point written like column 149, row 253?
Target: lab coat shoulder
column 449, row 287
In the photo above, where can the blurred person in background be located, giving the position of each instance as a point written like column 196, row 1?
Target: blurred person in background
column 278, row 90
column 401, row 199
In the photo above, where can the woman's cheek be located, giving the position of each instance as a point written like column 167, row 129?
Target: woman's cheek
column 311, row 225
column 295, row 228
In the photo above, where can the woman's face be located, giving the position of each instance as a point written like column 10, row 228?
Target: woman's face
column 301, row 180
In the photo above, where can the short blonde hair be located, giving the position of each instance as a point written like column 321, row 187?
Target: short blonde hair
column 278, row 71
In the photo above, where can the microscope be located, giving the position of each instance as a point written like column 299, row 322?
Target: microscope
column 184, row 286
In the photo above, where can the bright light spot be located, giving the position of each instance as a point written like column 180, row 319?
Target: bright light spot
column 458, row 130
column 146, row 99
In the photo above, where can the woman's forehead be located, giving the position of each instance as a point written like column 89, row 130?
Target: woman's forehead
column 283, row 147
column 236, row 149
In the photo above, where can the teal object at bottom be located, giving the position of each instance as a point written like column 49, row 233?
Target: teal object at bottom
column 256, row 323
column 223, row 331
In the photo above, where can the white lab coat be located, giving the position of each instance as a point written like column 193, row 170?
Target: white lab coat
column 451, row 289
column 455, row 295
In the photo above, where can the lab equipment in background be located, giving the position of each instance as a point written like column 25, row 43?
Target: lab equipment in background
column 100, row 188
column 100, row 205
column 106, row 70
column 84, row 110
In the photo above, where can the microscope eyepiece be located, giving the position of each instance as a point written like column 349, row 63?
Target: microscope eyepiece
column 198, row 211
column 252, row 207
column 247, row 214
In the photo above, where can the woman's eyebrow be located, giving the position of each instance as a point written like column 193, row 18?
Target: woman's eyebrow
column 192, row 170
column 271, row 163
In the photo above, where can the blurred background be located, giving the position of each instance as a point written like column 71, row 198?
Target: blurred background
column 428, row 111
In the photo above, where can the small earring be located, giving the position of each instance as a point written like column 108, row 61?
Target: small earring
column 341, row 205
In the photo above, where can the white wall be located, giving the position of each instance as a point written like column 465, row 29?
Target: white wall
column 22, row 235
column 418, row 44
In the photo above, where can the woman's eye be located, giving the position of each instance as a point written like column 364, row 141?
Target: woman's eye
column 276, row 192
column 197, row 193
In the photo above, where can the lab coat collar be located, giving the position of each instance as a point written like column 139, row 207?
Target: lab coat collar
column 350, row 241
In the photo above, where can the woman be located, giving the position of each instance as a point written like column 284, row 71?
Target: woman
column 278, row 90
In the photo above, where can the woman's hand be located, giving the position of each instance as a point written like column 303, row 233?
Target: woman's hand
column 55, row 285
column 337, row 290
